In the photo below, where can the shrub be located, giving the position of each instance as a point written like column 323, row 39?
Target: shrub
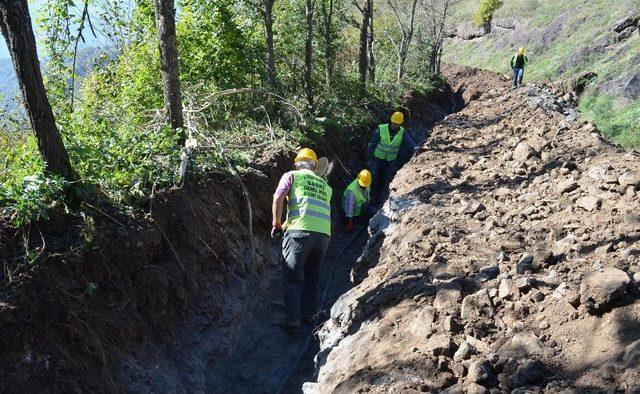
column 485, row 11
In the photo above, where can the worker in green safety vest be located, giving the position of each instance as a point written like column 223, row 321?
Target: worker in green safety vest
column 306, row 230
column 384, row 151
column 356, row 197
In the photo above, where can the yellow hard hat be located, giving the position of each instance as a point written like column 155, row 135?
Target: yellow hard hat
column 364, row 178
column 306, row 154
column 397, row 118
column 521, row 51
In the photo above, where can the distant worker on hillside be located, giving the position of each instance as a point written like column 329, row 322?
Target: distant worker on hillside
column 306, row 236
column 356, row 197
column 384, row 148
column 518, row 63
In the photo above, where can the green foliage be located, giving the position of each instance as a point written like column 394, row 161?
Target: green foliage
column 25, row 193
column 620, row 121
column 485, row 11
column 214, row 48
column 116, row 135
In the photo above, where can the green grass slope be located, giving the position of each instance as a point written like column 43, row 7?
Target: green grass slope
column 564, row 38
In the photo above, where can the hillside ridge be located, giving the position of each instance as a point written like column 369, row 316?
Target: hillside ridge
column 504, row 259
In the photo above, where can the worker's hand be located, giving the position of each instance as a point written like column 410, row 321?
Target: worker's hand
column 276, row 231
column 349, row 227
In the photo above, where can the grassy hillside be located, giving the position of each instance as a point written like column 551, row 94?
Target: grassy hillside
column 564, row 38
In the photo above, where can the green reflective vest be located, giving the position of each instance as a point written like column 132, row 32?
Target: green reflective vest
column 387, row 148
column 309, row 203
column 360, row 197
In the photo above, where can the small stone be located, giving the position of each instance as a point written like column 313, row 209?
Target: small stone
column 475, row 388
column 522, row 344
column 505, row 290
column 481, row 372
column 451, row 325
column 523, row 283
column 523, row 152
column 560, row 291
column 543, row 325
column 481, row 278
column 477, row 305
column 630, row 178
column 525, row 263
column 472, row 207
column 492, row 271
column 448, row 297
column 604, row 249
column 636, row 277
column 631, row 356
column 537, row 295
column 567, row 186
column 440, row 344
column 421, row 324
column 458, row 370
column 599, row 290
column 588, row 203
column 465, row 351
column 531, row 372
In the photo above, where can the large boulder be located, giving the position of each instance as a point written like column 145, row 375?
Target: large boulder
column 600, row 289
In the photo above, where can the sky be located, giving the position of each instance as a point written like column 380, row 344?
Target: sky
column 35, row 7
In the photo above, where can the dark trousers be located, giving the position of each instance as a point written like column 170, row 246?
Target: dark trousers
column 382, row 171
column 518, row 73
column 303, row 253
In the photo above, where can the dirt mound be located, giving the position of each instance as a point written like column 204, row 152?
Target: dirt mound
column 504, row 259
column 135, row 303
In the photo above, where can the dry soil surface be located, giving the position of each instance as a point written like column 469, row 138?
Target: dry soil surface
column 505, row 259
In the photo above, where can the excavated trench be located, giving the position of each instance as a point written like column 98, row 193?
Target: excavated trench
column 171, row 301
column 267, row 359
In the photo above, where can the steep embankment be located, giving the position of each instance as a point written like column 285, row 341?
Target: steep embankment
column 503, row 259
column 113, row 303
column 563, row 40
column 170, row 300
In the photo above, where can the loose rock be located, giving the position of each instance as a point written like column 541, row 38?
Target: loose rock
column 599, row 290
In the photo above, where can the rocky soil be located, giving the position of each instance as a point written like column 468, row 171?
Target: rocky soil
column 505, row 259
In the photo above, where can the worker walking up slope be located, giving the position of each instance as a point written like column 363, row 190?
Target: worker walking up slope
column 518, row 62
column 307, row 231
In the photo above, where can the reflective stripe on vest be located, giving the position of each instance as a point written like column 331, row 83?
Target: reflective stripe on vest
column 360, row 197
column 309, row 206
column 387, row 148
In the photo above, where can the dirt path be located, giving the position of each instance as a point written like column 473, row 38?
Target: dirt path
column 267, row 359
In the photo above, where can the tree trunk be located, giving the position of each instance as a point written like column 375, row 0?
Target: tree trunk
column 364, row 44
column 268, row 33
column 327, row 23
column 308, row 57
column 15, row 23
column 371, row 41
column 166, row 24
column 407, row 36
